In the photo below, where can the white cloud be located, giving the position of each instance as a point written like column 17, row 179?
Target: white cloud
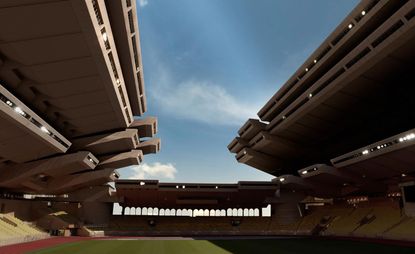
column 201, row 101
column 155, row 170
column 143, row 3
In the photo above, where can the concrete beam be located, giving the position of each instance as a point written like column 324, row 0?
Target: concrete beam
column 134, row 157
column 146, row 127
column 111, row 143
column 150, row 146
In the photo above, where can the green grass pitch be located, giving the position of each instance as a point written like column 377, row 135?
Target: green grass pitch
column 252, row 246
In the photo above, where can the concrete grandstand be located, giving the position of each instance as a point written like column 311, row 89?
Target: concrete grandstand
column 338, row 136
column 339, row 127
column 72, row 90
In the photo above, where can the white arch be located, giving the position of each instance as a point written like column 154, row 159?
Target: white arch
column 217, row 213
column 132, row 211
column 138, row 211
column 251, row 212
column 222, row 212
column 150, row 211
column 212, row 213
column 173, row 212
column 127, row 211
column 155, row 211
column 229, row 212
column 144, row 211
column 246, row 212
column 161, row 213
column 240, row 212
column 167, row 212
column 179, row 212
column 234, row 212
column 256, row 212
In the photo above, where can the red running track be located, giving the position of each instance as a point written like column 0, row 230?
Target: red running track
column 22, row 248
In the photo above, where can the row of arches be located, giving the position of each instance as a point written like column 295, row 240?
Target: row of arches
column 150, row 211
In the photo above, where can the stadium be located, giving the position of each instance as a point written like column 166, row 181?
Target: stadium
column 338, row 138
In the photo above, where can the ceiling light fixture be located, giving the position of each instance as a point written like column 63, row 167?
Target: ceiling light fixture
column 43, row 128
column 105, row 36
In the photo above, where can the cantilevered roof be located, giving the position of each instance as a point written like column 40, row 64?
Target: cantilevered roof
column 71, row 95
column 353, row 91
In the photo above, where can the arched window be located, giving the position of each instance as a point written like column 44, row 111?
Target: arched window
column 240, row 212
column 256, row 212
column 150, row 211
column 212, row 213
column 251, row 212
column 173, row 212
column 195, row 212
column 167, row 212
column 206, row 212
column 222, row 212
column 246, row 212
column 144, row 211
column 127, row 211
column 190, row 212
column 179, row 212
column 234, row 212
column 138, row 211
column 161, row 212
column 132, row 211
column 155, row 211
column 217, row 213
column 229, row 212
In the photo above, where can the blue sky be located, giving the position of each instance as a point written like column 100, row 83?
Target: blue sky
column 209, row 65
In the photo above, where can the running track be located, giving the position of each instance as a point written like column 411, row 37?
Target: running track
column 22, row 248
